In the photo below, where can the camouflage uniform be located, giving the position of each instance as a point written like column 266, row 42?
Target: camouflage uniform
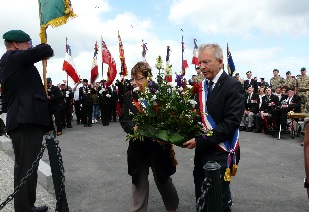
column 290, row 83
column 276, row 82
column 198, row 78
column 302, row 84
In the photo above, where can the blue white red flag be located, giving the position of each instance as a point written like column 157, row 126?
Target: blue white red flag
column 68, row 64
column 94, row 68
column 195, row 54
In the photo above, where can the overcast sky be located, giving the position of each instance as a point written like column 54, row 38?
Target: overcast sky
column 262, row 35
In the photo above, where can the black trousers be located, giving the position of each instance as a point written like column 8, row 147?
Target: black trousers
column 27, row 142
column 78, row 111
column 87, row 114
column 199, row 176
column 56, row 114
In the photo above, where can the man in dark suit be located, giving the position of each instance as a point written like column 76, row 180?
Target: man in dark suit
column 291, row 102
column 86, row 103
column 225, row 104
column 250, row 81
column 252, row 101
column 54, row 104
column 268, row 109
column 27, row 110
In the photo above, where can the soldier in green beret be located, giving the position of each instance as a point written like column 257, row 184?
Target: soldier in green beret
column 276, row 80
column 27, row 110
column 302, row 89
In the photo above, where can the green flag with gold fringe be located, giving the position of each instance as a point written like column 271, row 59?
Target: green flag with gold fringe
column 53, row 13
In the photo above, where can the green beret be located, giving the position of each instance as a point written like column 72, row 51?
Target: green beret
column 48, row 79
column 303, row 69
column 16, row 35
column 275, row 70
column 288, row 72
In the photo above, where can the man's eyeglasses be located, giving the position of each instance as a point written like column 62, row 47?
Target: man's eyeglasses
column 137, row 79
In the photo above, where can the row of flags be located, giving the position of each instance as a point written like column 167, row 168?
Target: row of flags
column 58, row 12
column 108, row 59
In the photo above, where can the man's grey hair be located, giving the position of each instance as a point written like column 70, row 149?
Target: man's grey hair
column 216, row 49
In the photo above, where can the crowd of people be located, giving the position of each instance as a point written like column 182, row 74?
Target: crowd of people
column 230, row 103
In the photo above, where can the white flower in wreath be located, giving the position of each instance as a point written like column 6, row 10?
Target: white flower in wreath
column 136, row 89
column 192, row 102
column 108, row 96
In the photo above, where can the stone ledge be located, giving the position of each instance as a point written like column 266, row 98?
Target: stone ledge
column 44, row 170
column 5, row 143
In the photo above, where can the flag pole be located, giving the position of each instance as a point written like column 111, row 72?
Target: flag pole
column 182, row 67
column 102, row 55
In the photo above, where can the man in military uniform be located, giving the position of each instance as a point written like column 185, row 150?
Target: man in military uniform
column 250, row 81
column 53, row 96
column 276, row 81
column 86, row 103
column 302, row 88
column 290, row 82
column 66, row 108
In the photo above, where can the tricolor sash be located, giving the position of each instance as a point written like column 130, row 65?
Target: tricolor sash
column 229, row 146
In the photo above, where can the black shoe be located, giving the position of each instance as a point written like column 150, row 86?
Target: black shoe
column 230, row 203
column 69, row 126
column 257, row 131
column 89, row 125
column 249, row 129
column 42, row 208
column 242, row 128
column 63, row 126
column 85, row 125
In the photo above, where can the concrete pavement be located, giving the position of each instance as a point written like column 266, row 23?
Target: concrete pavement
column 269, row 178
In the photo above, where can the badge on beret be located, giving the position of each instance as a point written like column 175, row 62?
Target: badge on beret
column 16, row 35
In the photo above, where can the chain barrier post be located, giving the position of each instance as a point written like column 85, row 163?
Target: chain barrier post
column 57, row 169
column 214, row 199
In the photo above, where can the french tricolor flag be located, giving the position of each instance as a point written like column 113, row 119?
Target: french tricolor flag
column 195, row 54
column 69, row 66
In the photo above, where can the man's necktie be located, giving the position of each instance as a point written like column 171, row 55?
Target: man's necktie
column 210, row 85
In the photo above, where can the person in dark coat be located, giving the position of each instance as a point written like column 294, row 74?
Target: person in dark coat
column 86, row 103
column 66, row 108
column 105, row 104
column 147, row 153
column 54, row 104
column 250, row 81
column 222, row 98
column 27, row 110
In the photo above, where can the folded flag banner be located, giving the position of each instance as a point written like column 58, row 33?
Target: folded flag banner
column 230, row 63
column 108, row 59
column 94, row 69
column 53, row 13
column 195, row 54
column 168, row 69
column 184, row 61
column 124, row 71
column 68, row 64
column 145, row 49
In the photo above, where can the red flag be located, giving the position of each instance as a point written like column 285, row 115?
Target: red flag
column 106, row 55
column 108, row 59
column 68, row 64
column 94, row 68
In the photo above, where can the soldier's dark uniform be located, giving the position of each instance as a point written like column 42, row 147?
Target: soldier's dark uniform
column 86, row 103
column 54, row 106
column 66, row 107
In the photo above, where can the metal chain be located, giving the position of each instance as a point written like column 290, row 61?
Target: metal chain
column 62, row 177
column 207, row 183
column 23, row 181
